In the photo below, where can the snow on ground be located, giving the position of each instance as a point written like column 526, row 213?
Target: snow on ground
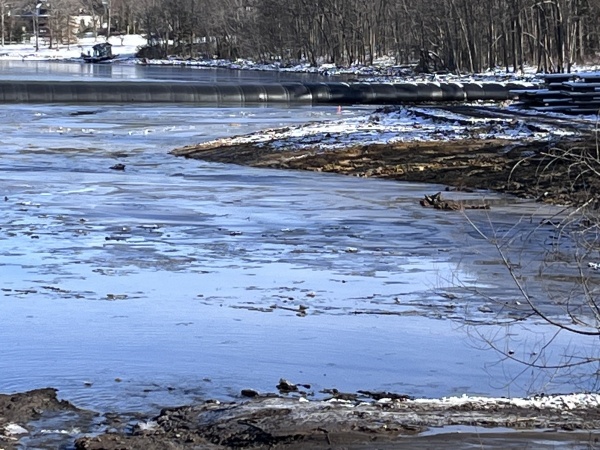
column 406, row 124
column 582, row 400
column 383, row 72
column 568, row 401
column 124, row 46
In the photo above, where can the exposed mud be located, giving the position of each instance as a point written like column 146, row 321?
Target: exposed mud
column 30, row 405
column 291, row 423
column 538, row 170
column 276, row 421
column 41, row 414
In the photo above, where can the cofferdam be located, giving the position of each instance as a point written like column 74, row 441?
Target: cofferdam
column 119, row 91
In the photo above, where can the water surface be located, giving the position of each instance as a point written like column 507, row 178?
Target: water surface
column 64, row 71
column 177, row 279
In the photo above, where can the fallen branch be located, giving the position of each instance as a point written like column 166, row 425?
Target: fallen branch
column 435, row 201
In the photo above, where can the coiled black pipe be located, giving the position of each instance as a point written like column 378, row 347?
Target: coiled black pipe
column 316, row 93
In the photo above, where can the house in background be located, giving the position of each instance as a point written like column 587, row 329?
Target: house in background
column 39, row 25
column 83, row 23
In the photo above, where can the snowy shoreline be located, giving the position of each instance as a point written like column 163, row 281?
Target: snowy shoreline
column 294, row 419
column 400, row 124
column 382, row 70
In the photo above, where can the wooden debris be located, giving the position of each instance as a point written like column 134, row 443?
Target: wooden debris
column 379, row 395
column 437, row 202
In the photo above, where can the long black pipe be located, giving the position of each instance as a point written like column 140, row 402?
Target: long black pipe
column 201, row 93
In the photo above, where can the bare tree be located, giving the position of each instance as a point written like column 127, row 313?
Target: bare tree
column 558, row 290
column 455, row 35
column 60, row 22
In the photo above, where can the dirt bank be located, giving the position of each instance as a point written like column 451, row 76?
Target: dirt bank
column 295, row 424
column 533, row 169
column 351, row 421
column 21, row 414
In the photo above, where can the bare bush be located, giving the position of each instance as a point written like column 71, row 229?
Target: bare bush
column 553, row 324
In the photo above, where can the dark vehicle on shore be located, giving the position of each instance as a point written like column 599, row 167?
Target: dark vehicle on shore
column 102, row 54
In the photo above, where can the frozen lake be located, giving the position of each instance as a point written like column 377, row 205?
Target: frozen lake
column 61, row 71
column 176, row 279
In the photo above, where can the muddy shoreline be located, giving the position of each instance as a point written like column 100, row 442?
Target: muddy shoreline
column 352, row 421
column 539, row 157
column 530, row 169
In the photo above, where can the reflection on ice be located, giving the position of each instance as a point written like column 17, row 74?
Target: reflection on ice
column 64, row 71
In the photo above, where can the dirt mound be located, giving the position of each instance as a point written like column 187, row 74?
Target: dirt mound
column 27, row 406
column 17, row 411
column 557, row 172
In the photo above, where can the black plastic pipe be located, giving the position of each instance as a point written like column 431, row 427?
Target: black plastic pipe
column 316, row 93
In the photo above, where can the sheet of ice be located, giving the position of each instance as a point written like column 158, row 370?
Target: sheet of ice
column 177, row 279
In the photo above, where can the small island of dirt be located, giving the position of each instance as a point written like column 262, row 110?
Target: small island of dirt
column 532, row 170
column 555, row 168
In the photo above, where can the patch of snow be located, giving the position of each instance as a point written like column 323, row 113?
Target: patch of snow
column 406, row 124
column 561, row 402
column 123, row 46
column 12, row 429
column 147, row 425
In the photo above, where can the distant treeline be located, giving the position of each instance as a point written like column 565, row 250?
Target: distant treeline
column 453, row 35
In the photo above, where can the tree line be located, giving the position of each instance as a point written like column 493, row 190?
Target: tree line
column 441, row 35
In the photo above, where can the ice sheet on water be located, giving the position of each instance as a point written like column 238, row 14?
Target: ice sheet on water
column 173, row 271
